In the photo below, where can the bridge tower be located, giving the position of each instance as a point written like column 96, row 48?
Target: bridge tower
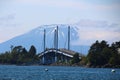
column 55, row 55
column 68, row 37
column 43, row 59
column 56, row 42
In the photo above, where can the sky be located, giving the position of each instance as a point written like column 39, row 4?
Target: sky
column 20, row 16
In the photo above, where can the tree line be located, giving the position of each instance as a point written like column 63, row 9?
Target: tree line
column 19, row 55
column 102, row 54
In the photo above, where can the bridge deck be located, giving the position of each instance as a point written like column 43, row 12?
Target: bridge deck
column 65, row 52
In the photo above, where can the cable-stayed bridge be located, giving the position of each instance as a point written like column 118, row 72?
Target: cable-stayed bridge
column 54, row 54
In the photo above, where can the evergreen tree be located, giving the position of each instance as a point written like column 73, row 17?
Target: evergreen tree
column 32, row 51
column 15, row 54
column 19, row 55
column 101, row 53
column 75, row 58
column 23, row 56
column 106, row 55
column 95, row 56
column 115, row 58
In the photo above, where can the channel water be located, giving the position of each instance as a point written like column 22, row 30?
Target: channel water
column 12, row 72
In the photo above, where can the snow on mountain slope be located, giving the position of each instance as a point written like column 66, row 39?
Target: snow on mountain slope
column 35, row 37
column 83, row 34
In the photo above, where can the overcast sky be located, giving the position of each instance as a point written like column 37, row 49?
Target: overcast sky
column 20, row 16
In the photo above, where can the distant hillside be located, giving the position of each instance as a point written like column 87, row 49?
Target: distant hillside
column 35, row 37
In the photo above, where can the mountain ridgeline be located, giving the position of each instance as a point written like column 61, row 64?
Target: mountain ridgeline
column 35, row 37
column 18, row 51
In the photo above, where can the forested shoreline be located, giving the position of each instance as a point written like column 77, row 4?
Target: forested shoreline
column 19, row 55
column 101, row 54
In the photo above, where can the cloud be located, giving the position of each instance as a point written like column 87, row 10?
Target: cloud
column 7, row 17
column 54, row 3
column 71, row 4
column 7, row 20
column 90, row 31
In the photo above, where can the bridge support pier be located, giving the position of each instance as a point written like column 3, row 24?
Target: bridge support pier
column 43, row 60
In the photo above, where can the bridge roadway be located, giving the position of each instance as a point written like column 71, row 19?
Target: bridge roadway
column 64, row 52
column 52, row 55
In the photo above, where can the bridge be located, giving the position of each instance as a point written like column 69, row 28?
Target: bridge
column 52, row 55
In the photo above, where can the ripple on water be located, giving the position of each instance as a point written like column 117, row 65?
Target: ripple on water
column 56, row 73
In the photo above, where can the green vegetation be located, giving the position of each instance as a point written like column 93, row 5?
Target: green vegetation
column 75, row 58
column 102, row 54
column 19, row 55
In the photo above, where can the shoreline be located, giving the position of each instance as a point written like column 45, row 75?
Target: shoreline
column 84, row 66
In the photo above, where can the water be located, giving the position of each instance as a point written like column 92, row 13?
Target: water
column 56, row 73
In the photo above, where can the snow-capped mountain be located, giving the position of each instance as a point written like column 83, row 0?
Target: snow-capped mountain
column 35, row 37
column 83, row 35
